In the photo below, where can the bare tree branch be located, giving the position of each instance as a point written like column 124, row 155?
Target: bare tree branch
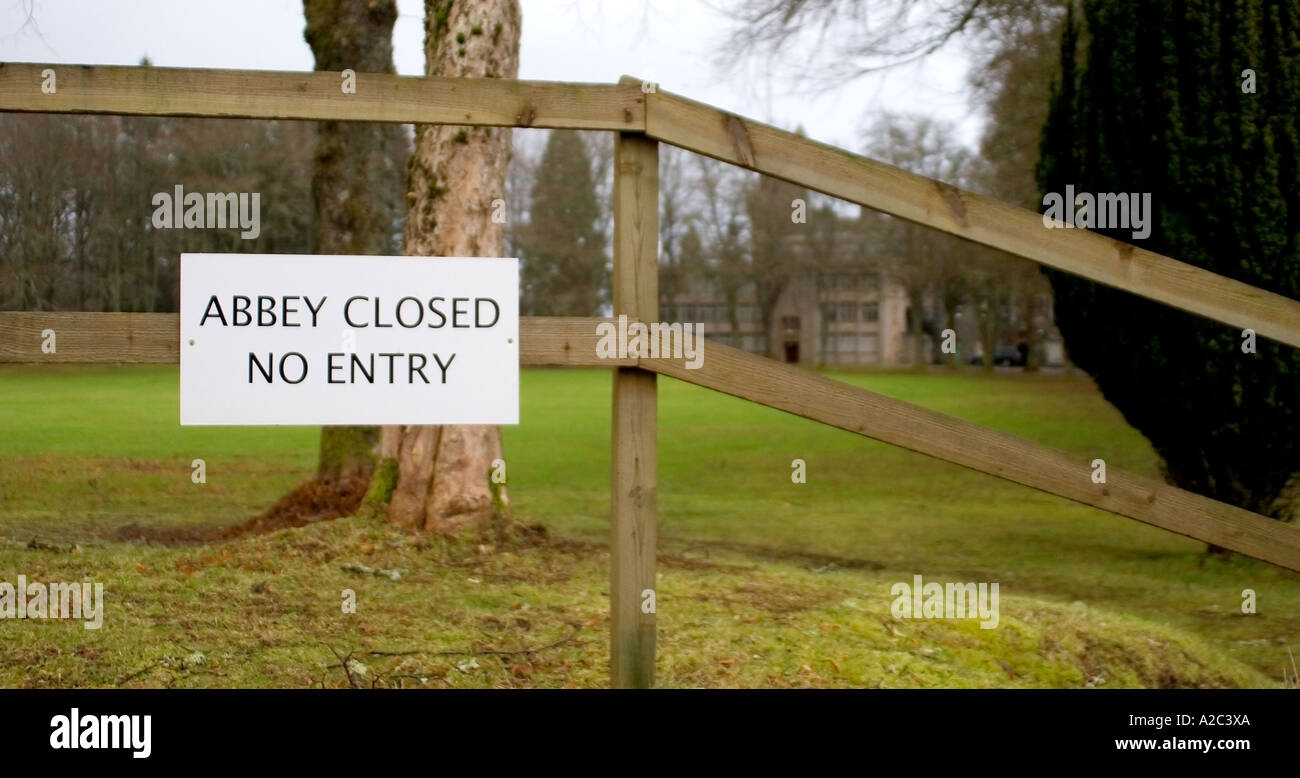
column 841, row 40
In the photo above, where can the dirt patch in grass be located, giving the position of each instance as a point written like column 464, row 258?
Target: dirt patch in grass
column 683, row 561
column 818, row 563
column 776, row 598
column 308, row 503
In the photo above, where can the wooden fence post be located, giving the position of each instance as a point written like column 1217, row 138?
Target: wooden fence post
column 636, row 295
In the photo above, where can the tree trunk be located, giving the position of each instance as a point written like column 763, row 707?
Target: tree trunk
column 355, row 35
column 950, row 322
column 916, row 323
column 443, row 474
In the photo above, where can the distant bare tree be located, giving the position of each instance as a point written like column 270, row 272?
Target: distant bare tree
column 769, row 204
column 676, row 222
column 840, row 40
column 76, row 206
column 724, row 231
column 925, row 262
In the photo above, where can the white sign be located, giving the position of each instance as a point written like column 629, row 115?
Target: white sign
column 293, row 339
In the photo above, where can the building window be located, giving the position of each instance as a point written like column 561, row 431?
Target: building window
column 790, row 324
column 871, row 312
column 841, row 312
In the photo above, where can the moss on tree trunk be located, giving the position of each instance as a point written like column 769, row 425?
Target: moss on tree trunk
column 346, row 452
column 443, row 473
column 356, row 188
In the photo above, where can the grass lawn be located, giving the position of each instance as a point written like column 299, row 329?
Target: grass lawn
column 763, row 582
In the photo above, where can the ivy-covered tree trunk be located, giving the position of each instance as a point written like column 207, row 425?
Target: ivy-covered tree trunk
column 354, row 180
column 1154, row 98
column 443, row 474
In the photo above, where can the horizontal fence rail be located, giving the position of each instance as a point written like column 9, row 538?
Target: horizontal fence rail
column 667, row 118
column 257, row 94
column 571, row 342
column 110, row 338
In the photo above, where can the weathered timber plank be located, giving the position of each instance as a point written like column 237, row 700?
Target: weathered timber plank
column 635, row 409
column 100, row 338
column 715, row 133
column 866, row 413
column 317, row 95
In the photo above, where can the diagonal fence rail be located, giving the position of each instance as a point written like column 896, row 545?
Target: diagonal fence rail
column 829, row 170
column 643, row 117
column 812, row 396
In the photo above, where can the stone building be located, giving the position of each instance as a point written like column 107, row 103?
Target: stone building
column 848, row 310
column 841, row 310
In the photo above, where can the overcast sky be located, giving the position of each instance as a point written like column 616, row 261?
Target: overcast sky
column 667, row 41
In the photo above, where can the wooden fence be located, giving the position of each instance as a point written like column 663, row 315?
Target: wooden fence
column 642, row 116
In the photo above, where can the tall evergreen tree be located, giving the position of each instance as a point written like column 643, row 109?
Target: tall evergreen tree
column 563, row 247
column 1151, row 99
